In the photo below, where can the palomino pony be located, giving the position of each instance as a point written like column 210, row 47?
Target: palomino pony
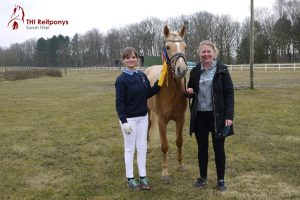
column 170, row 103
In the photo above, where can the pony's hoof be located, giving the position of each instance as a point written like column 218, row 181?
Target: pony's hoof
column 181, row 168
column 166, row 179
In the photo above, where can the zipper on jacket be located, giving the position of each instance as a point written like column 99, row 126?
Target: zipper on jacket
column 213, row 101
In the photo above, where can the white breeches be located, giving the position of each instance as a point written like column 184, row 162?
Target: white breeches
column 138, row 139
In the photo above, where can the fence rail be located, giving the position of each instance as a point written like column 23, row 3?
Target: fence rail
column 266, row 67
column 5, row 68
column 243, row 67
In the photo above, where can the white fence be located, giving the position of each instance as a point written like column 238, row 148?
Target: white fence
column 266, row 67
column 243, row 67
column 61, row 68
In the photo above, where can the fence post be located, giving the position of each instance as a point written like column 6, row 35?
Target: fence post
column 294, row 66
column 279, row 67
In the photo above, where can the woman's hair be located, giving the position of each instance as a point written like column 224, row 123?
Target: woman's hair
column 209, row 43
column 127, row 51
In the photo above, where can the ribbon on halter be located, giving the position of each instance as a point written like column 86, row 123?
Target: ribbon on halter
column 165, row 56
column 163, row 74
column 164, row 70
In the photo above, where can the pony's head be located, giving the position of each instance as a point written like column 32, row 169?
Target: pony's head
column 174, row 49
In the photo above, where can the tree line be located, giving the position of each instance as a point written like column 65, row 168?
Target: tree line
column 277, row 40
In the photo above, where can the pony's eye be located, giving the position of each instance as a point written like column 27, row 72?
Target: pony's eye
column 167, row 47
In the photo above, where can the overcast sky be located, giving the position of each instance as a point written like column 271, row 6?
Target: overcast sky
column 84, row 15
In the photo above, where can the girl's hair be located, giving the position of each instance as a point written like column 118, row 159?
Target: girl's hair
column 209, row 43
column 127, row 51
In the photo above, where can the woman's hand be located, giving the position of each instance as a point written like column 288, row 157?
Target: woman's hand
column 228, row 122
column 189, row 91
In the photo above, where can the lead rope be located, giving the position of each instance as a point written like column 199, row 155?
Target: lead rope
column 185, row 86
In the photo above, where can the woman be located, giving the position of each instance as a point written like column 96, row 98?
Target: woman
column 212, row 110
column 132, row 91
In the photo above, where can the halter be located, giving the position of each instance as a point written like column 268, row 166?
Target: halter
column 173, row 60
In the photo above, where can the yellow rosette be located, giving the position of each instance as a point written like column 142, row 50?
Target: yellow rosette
column 162, row 74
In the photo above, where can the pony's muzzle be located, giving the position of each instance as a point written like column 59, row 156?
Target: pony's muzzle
column 180, row 72
column 180, row 65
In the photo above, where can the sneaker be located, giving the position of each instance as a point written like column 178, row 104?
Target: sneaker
column 222, row 186
column 145, row 184
column 133, row 184
column 200, row 183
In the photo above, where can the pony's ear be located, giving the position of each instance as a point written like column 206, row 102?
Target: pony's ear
column 166, row 31
column 182, row 31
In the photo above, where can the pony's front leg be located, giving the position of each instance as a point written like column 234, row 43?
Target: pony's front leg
column 164, row 146
column 179, row 142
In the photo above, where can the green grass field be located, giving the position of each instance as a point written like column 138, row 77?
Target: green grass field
column 60, row 139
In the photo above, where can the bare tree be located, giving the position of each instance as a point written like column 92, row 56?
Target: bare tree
column 279, row 8
column 224, row 35
column 200, row 27
column 283, row 38
column 293, row 13
column 28, row 48
column 94, row 46
column 150, row 31
column 113, row 45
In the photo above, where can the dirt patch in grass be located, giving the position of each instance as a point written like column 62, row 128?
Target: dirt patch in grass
column 44, row 180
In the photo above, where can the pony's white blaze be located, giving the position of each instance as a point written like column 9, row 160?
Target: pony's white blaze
column 178, row 46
